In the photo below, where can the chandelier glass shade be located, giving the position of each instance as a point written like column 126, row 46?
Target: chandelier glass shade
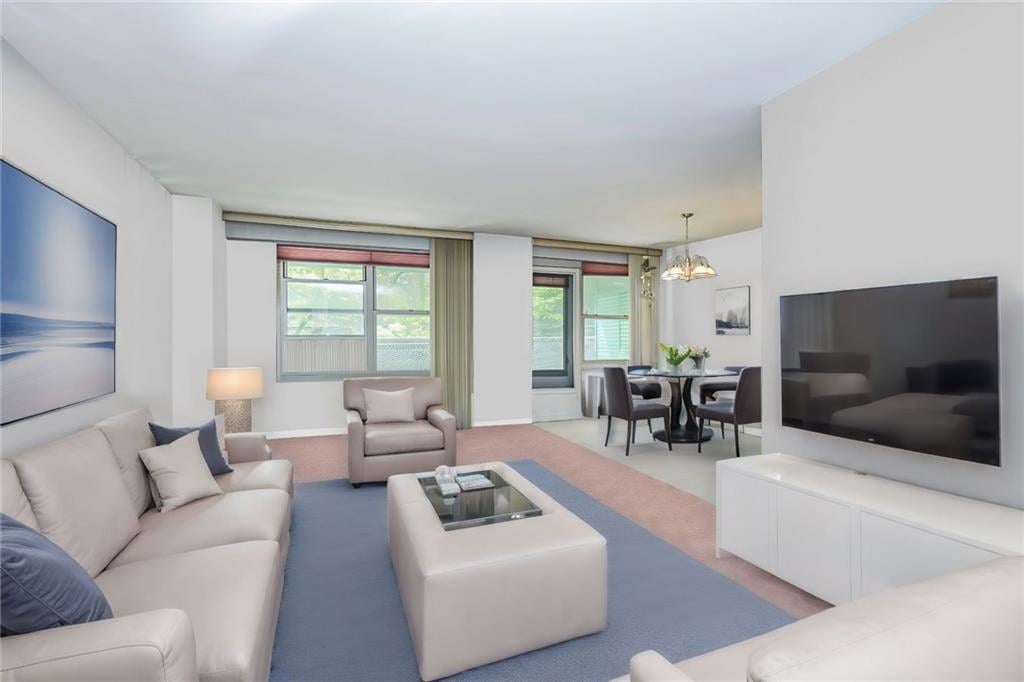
column 687, row 266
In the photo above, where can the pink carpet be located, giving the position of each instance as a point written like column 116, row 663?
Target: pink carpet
column 681, row 519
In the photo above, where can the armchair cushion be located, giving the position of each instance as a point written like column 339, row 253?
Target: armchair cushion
column 383, row 407
column 388, row 439
column 427, row 391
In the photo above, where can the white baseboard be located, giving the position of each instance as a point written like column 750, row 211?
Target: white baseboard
column 305, row 433
column 503, row 422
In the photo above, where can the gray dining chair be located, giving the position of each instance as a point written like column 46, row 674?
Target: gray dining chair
column 646, row 390
column 744, row 409
column 621, row 405
column 709, row 390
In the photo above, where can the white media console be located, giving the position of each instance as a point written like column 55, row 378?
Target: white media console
column 841, row 535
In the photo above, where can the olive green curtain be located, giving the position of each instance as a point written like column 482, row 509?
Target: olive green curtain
column 451, row 301
column 643, row 314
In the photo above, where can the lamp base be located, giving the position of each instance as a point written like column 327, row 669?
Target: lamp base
column 237, row 415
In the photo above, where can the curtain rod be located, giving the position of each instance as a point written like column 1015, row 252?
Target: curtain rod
column 590, row 246
column 344, row 226
column 347, row 226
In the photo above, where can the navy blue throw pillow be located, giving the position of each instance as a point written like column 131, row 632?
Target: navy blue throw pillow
column 208, row 443
column 41, row 586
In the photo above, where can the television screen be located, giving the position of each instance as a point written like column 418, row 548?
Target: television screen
column 913, row 367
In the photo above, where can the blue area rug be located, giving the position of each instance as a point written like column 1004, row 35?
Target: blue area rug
column 342, row 618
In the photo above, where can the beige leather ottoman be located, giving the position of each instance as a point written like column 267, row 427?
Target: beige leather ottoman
column 477, row 595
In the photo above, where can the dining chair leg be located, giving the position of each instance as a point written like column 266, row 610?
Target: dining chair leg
column 722, row 424
column 736, row 437
column 700, row 433
column 608, row 433
column 650, row 429
column 633, row 435
column 629, row 430
column 668, row 431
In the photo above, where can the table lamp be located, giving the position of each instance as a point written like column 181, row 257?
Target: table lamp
column 234, row 388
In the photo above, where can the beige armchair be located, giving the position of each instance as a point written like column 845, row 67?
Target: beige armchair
column 376, row 451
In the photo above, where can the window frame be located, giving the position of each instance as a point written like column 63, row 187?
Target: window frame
column 585, row 317
column 566, row 377
column 369, row 313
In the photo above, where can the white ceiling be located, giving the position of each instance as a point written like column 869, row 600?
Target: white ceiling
column 597, row 122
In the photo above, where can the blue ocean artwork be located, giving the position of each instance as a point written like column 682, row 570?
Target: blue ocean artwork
column 57, row 299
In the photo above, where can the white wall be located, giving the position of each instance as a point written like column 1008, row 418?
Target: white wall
column 688, row 308
column 52, row 140
column 903, row 164
column 252, row 342
column 502, row 329
column 198, row 304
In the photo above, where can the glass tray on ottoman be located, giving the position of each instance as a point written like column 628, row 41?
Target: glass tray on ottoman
column 471, row 508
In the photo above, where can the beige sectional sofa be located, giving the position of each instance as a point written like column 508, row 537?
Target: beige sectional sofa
column 195, row 591
column 967, row 625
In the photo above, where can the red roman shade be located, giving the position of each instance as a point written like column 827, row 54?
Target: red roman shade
column 354, row 256
column 541, row 279
column 594, row 268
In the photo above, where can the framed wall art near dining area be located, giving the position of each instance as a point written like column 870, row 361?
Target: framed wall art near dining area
column 732, row 311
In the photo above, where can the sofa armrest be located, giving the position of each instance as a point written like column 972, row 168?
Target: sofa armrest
column 445, row 421
column 153, row 645
column 355, row 431
column 650, row 666
column 247, row 447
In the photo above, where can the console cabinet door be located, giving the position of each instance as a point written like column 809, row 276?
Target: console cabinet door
column 746, row 521
column 894, row 554
column 815, row 545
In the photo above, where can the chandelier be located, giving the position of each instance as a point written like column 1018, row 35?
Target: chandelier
column 687, row 267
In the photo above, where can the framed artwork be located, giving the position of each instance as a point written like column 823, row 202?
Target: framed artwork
column 732, row 311
column 58, row 279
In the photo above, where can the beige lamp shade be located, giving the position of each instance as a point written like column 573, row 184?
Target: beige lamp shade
column 234, row 383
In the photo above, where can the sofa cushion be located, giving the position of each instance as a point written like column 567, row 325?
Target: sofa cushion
column 383, row 407
column 79, row 497
column 12, row 498
column 960, row 626
column 387, row 439
column 729, row 663
column 230, row 593
column 41, row 587
column 127, row 435
column 271, row 474
column 219, row 520
column 179, row 472
column 209, row 443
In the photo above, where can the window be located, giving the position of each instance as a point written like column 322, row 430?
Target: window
column 402, row 314
column 605, row 317
column 552, row 331
column 343, row 319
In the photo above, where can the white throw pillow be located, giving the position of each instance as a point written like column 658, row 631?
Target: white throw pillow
column 389, row 406
column 179, row 472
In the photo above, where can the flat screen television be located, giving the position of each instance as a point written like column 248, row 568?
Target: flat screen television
column 914, row 367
